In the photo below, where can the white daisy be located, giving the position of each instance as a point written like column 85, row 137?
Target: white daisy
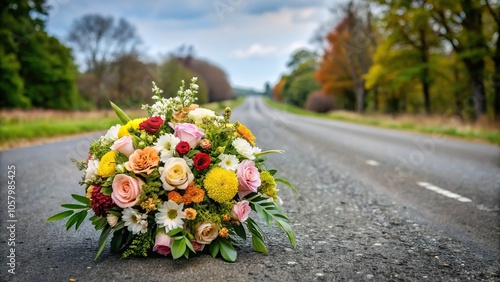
column 91, row 171
column 166, row 146
column 135, row 221
column 229, row 162
column 170, row 215
column 244, row 148
column 112, row 133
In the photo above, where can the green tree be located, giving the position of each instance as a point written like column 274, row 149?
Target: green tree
column 408, row 28
column 172, row 72
column 45, row 65
column 300, row 82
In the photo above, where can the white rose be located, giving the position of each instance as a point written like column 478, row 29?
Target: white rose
column 206, row 232
column 91, row 172
column 176, row 174
column 198, row 114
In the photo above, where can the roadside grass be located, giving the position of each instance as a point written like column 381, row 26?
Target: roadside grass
column 19, row 127
column 437, row 125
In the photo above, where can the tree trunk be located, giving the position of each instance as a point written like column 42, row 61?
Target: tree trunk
column 477, row 100
column 425, row 76
column 496, row 82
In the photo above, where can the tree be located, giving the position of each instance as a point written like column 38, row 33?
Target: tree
column 347, row 57
column 494, row 11
column 460, row 23
column 39, row 70
column 411, row 30
column 101, row 41
column 300, row 82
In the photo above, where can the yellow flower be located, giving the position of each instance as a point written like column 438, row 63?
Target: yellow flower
column 244, row 132
column 89, row 191
column 132, row 124
column 107, row 165
column 268, row 184
column 221, row 184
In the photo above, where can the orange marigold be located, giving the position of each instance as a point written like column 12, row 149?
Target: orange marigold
column 175, row 196
column 246, row 133
column 190, row 213
column 193, row 194
column 226, row 217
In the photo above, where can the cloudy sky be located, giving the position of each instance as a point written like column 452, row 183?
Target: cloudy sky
column 250, row 39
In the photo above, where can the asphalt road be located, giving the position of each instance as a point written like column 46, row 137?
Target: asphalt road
column 375, row 204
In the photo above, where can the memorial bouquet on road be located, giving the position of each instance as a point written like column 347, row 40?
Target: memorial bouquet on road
column 183, row 180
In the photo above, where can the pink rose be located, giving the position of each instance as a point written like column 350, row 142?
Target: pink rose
column 124, row 145
column 197, row 247
column 188, row 132
column 126, row 190
column 163, row 242
column 241, row 211
column 248, row 178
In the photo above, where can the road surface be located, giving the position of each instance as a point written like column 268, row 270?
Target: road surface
column 374, row 204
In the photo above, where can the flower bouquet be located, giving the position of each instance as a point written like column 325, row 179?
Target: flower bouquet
column 181, row 181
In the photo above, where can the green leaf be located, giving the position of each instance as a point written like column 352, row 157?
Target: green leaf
column 178, row 248
column 174, row 232
column 287, row 184
column 288, row 231
column 227, row 250
column 81, row 199
column 73, row 206
column 81, row 218
column 71, row 221
column 60, row 216
column 214, row 248
column 190, row 246
column 240, row 231
column 258, row 245
column 120, row 113
column 106, row 191
column 272, row 171
column 99, row 222
column 106, row 232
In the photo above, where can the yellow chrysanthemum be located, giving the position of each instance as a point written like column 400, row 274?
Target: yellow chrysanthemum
column 268, row 184
column 221, row 184
column 107, row 165
column 190, row 213
column 244, row 132
column 132, row 124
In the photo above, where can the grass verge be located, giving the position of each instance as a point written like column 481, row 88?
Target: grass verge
column 429, row 125
column 26, row 127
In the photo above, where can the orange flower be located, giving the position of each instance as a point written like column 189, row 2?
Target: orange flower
column 246, row 133
column 181, row 115
column 226, row 217
column 193, row 194
column 224, row 232
column 175, row 196
column 143, row 160
column 190, row 213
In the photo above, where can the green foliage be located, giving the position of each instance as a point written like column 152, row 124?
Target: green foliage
column 140, row 246
column 172, row 73
column 300, row 82
column 37, row 70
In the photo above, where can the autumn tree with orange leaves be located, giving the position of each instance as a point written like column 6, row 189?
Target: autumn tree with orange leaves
column 347, row 57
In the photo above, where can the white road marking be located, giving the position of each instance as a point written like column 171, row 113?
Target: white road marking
column 372, row 162
column 444, row 192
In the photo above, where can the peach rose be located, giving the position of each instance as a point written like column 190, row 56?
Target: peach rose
column 176, row 174
column 143, row 161
column 124, row 145
column 206, row 232
column 126, row 190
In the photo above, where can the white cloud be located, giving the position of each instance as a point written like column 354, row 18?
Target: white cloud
column 254, row 50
